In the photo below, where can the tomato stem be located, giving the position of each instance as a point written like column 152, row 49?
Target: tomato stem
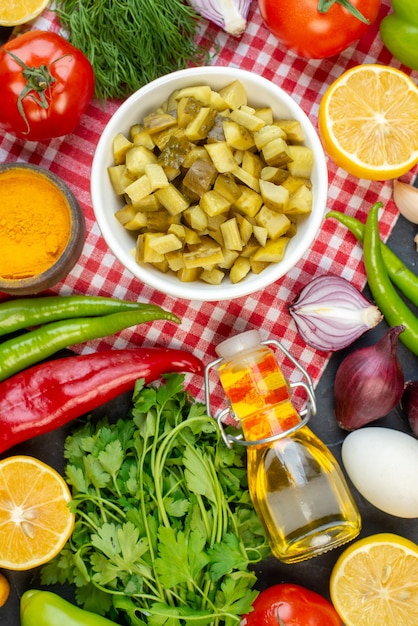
column 38, row 83
column 325, row 5
column 279, row 619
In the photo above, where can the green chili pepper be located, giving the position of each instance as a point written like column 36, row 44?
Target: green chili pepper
column 25, row 312
column 20, row 352
column 394, row 309
column 44, row 608
column 399, row 32
column 398, row 272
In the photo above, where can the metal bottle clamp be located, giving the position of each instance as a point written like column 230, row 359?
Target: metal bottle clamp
column 305, row 414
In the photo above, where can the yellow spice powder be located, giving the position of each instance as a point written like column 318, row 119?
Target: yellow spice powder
column 35, row 223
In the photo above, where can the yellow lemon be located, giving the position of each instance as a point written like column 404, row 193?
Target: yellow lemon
column 14, row 12
column 35, row 521
column 368, row 122
column 4, row 590
column 374, row 582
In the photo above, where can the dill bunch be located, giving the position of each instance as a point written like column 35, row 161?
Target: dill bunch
column 131, row 42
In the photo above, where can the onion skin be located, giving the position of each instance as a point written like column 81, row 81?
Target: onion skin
column 409, row 404
column 369, row 382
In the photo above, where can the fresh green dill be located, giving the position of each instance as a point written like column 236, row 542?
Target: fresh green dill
column 165, row 529
column 131, row 42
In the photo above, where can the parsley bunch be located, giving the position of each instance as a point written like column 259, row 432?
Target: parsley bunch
column 165, row 529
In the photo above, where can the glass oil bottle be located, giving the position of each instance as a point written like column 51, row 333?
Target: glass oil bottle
column 296, row 485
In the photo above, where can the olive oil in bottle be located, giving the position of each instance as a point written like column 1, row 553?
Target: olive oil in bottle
column 296, row 484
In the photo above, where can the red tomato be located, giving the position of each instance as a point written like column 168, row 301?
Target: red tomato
column 301, row 27
column 291, row 605
column 45, row 86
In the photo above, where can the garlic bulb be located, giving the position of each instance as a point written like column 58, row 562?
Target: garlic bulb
column 406, row 199
column 231, row 15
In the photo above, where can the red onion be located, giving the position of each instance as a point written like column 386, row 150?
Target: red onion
column 409, row 403
column 330, row 313
column 369, row 383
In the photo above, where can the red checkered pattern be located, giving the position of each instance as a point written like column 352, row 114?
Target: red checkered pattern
column 206, row 324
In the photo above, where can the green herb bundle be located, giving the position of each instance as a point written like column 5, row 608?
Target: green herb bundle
column 165, row 529
column 131, row 42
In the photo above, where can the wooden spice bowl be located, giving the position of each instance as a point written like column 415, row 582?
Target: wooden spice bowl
column 42, row 229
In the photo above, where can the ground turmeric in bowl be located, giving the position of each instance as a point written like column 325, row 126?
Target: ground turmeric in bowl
column 35, row 223
column 42, row 229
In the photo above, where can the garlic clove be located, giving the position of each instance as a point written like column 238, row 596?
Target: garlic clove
column 406, row 199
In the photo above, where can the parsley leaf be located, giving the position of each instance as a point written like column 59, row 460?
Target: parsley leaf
column 226, row 557
column 196, row 474
column 111, row 458
column 181, row 557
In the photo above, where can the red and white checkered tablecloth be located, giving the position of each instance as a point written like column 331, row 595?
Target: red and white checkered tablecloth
column 204, row 325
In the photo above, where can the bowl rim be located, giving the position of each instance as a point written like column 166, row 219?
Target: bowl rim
column 171, row 285
column 72, row 251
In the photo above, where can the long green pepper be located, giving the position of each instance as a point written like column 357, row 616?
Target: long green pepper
column 26, row 312
column 398, row 272
column 394, row 309
column 20, row 352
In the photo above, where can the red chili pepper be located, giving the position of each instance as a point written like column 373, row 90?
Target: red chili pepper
column 51, row 394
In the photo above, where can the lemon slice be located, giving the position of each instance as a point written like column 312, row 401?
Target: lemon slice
column 4, row 590
column 35, row 521
column 368, row 122
column 14, row 12
column 375, row 582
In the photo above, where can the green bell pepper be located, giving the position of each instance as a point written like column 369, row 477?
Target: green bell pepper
column 399, row 32
column 44, row 608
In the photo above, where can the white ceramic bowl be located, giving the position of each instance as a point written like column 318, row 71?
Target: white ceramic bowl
column 260, row 92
